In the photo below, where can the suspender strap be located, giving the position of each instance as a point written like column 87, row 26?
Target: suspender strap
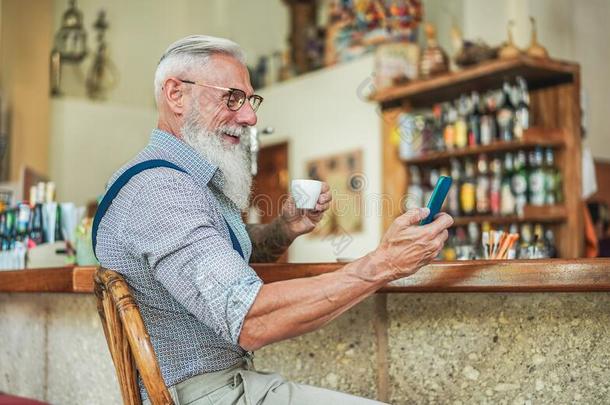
column 123, row 179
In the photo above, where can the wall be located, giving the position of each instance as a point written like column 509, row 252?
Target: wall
column 24, row 51
column 140, row 31
column 325, row 113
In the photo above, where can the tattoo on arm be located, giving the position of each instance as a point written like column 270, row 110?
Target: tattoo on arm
column 269, row 241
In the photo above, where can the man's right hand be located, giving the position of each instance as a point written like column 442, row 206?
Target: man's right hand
column 407, row 246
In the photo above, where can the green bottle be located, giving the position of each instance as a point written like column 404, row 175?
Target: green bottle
column 520, row 182
column 537, row 178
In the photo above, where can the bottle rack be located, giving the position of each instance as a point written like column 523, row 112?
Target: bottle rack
column 554, row 89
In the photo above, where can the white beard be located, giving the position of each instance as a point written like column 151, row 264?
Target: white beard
column 232, row 160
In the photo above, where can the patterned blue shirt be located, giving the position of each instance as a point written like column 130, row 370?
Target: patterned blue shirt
column 165, row 233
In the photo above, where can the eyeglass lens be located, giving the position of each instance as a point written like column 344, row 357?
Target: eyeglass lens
column 237, row 98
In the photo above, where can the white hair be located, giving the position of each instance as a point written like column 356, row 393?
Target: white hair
column 190, row 53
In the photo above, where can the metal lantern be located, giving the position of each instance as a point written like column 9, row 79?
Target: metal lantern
column 71, row 39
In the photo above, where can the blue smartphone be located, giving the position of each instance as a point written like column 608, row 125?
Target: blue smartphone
column 437, row 198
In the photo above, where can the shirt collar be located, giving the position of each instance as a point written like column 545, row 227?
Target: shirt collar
column 187, row 158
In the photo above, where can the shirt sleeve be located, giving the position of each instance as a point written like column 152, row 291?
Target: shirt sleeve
column 171, row 225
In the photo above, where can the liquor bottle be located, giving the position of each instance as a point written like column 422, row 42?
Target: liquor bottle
column 449, row 252
column 525, row 247
column 549, row 237
column 59, row 235
column 36, row 233
column 483, row 186
column 449, row 131
column 23, row 221
column 453, row 197
column 474, row 120
column 11, row 230
column 429, row 179
column 474, row 239
column 522, row 110
column 540, row 247
column 488, row 120
column 461, row 127
column 468, row 190
column 536, row 178
column 506, row 115
column 437, row 115
column 507, row 197
column 415, row 192
column 461, row 245
column 520, row 182
column 495, row 187
column 3, row 234
column 552, row 179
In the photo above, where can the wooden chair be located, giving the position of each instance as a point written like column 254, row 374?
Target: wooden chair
column 128, row 340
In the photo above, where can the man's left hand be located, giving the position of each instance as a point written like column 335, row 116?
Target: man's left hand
column 299, row 221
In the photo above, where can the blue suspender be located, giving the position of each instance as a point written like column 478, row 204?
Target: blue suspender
column 123, row 179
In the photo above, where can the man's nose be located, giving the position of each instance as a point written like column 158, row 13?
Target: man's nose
column 246, row 115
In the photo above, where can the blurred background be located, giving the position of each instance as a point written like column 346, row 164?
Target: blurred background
column 77, row 96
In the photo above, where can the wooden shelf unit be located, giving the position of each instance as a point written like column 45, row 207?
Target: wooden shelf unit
column 555, row 116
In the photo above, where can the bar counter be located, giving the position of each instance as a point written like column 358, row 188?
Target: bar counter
column 559, row 275
column 535, row 331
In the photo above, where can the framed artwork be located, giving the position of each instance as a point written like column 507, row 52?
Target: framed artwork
column 343, row 173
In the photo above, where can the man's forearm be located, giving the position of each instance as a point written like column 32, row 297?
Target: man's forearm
column 291, row 308
column 269, row 241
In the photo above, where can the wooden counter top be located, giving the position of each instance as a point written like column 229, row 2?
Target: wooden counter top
column 466, row 276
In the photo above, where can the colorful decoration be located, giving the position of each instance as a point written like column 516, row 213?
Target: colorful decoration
column 357, row 26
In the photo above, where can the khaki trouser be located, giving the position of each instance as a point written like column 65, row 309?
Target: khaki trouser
column 242, row 385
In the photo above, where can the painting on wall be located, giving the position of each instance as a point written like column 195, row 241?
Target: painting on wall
column 343, row 173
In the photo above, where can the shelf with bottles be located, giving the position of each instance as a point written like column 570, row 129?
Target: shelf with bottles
column 500, row 112
column 532, row 138
column 528, row 240
column 502, row 190
column 496, row 121
column 40, row 222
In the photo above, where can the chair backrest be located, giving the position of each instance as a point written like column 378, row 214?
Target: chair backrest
column 128, row 340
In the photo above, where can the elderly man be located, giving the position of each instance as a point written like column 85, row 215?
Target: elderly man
column 171, row 224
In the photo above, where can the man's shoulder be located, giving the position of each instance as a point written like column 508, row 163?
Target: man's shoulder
column 155, row 182
column 144, row 155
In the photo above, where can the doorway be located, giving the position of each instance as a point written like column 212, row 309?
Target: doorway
column 270, row 186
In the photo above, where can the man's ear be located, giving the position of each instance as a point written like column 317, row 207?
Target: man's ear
column 173, row 93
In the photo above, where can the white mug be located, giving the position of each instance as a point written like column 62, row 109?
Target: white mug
column 305, row 193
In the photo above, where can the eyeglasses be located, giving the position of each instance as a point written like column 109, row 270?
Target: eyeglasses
column 237, row 97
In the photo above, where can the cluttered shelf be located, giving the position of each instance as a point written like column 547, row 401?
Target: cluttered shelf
column 553, row 275
column 538, row 73
column 532, row 138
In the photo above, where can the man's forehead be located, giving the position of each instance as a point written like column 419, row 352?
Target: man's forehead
column 226, row 71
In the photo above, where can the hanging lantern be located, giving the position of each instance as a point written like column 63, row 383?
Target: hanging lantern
column 70, row 45
column 71, row 39
column 103, row 74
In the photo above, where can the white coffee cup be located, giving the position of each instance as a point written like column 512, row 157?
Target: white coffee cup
column 305, row 193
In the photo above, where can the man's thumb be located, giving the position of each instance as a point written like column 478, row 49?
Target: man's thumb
column 414, row 215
